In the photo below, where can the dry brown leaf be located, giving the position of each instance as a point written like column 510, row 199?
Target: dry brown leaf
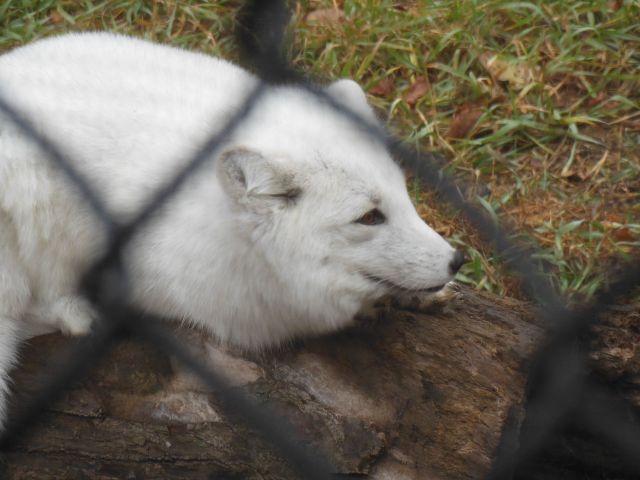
column 55, row 17
column 624, row 235
column 325, row 16
column 574, row 177
column 404, row 5
column 615, row 5
column 463, row 121
column 383, row 88
column 417, row 90
column 598, row 99
column 614, row 217
column 517, row 74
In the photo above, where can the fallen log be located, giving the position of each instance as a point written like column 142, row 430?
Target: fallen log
column 405, row 395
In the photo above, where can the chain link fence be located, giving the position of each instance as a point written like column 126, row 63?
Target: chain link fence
column 557, row 383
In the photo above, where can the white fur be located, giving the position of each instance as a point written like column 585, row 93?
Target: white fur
column 234, row 251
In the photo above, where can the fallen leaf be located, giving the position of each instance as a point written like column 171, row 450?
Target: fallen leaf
column 417, row 90
column 325, row 16
column 614, row 217
column 572, row 176
column 598, row 99
column 404, row 5
column 624, row 235
column 383, row 88
column 55, row 17
column 615, row 5
column 517, row 74
column 463, row 121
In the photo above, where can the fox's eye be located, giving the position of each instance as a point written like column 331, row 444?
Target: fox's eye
column 372, row 217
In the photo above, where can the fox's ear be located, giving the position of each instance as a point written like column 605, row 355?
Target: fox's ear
column 348, row 93
column 254, row 181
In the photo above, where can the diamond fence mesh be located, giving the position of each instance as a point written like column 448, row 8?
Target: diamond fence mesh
column 557, row 383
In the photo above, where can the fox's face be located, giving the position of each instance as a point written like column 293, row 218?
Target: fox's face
column 329, row 211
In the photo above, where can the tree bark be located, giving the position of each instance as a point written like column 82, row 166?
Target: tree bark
column 405, row 395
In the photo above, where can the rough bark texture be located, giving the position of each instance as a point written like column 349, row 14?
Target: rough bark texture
column 403, row 396
column 574, row 451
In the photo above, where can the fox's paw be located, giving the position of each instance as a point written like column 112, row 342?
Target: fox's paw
column 71, row 315
column 427, row 302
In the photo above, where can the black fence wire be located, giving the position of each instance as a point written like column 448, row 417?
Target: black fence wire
column 557, row 382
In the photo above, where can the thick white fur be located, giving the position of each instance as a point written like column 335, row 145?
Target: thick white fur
column 261, row 246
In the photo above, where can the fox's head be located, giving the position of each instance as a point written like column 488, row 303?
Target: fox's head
column 328, row 210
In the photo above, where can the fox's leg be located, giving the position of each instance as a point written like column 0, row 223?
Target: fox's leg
column 9, row 342
column 72, row 315
column 15, row 295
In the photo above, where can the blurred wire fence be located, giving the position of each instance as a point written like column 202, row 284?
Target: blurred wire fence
column 557, row 384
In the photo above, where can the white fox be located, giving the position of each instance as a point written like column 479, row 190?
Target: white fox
column 299, row 220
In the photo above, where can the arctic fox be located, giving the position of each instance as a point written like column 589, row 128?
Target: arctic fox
column 297, row 222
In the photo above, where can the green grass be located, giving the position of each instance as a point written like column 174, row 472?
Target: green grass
column 534, row 104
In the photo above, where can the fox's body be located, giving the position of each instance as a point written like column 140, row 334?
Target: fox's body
column 266, row 242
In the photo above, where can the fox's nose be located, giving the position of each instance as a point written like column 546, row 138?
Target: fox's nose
column 457, row 262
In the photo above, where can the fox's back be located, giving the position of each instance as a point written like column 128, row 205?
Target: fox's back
column 124, row 110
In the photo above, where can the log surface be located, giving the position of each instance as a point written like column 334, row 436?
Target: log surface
column 405, row 395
